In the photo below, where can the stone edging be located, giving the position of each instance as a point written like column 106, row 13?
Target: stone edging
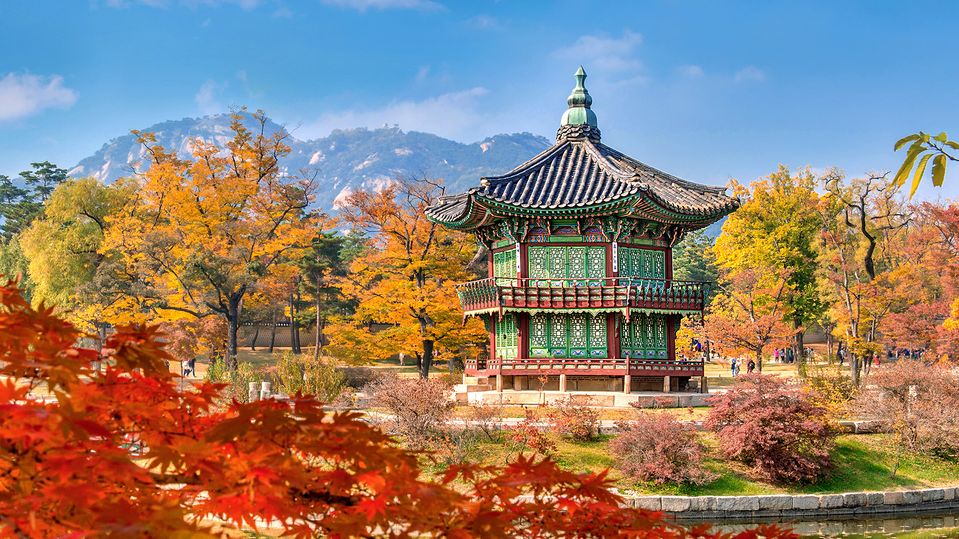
column 800, row 505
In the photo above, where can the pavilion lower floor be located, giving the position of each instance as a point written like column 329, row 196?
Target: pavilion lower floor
column 562, row 382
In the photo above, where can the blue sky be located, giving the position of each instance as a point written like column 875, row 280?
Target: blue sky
column 705, row 90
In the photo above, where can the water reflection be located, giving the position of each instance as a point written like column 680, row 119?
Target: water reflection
column 924, row 525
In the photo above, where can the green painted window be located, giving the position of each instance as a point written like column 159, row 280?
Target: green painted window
column 644, row 336
column 642, row 263
column 504, row 266
column 567, row 262
column 506, row 337
column 574, row 335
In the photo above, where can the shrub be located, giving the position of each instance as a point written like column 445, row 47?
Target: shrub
column 774, row 427
column 307, row 375
column 830, row 389
column 658, row 448
column 358, row 377
column 568, row 417
column 485, row 417
column 238, row 381
column 417, row 408
column 527, row 435
column 919, row 404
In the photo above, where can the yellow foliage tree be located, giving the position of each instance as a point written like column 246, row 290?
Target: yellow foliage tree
column 777, row 230
column 66, row 265
column 404, row 279
column 201, row 232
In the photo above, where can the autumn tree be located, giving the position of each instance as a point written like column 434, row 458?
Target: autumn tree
column 746, row 316
column 66, row 265
column 925, row 282
column 862, row 223
column 122, row 451
column 404, row 279
column 776, row 229
column 203, row 230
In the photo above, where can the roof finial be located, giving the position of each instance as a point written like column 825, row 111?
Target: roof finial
column 579, row 102
column 579, row 121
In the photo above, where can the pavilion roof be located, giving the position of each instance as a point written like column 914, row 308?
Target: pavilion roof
column 581, row 176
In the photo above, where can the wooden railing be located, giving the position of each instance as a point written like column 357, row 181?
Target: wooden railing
column 590, row 366
column 495, row 293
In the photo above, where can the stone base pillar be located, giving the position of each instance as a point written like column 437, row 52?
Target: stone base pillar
column 627, row 384
column 521, row 382
column 703, row 386
column 562, row 383
column 499, row 383
column 666, row 385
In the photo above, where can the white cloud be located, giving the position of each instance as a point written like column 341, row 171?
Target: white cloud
column 422, row 73
column 454, row 115
column 206, row 98
column 483, row 22
column 365, row 5
column 26, row 94
column 605, row 53
column 750, row 73
column 244, row 4
column 283, row 12
column 691, row 71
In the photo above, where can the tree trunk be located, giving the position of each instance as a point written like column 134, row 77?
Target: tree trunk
column 273, row 332
column 256, row 334
column 318, row 340
column 800, row 347
column 759, row 360
column 294, row 328
column 854, row 369
column 232, row 323
column 427, row 359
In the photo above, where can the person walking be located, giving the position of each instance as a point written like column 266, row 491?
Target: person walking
column 750, row 367
column 733, row 368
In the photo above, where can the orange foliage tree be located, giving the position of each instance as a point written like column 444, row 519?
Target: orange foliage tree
column 404, row 279
column 746, row 316
column 201, row 232
column 863, row 221
column 121, row 451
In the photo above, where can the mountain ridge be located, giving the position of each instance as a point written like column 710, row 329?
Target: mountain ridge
column 345, row 160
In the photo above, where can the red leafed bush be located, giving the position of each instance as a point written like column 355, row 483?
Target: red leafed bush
column 657, row 448
column 773, row 426
column 918, row 404
column 202, row 470
column 417, row 408
column 526, row 435
column 568, row 417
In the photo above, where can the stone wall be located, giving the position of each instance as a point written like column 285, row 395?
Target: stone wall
column 715, row 508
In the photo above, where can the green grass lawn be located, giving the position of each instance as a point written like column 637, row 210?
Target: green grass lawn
column 861, row 463
column 614, row 414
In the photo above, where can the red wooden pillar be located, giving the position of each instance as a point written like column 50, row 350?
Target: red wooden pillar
column 489, row 262
column 492, row 336
column 612, row 330
column 671, row 327
column 523, row 264
column 522, row 335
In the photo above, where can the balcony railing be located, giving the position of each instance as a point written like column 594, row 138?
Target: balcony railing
column 612, row 292
column 591, row 366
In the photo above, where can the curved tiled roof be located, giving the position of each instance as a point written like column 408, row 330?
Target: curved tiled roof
column 580, row 172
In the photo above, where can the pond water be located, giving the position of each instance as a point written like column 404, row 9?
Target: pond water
column 922, row 525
